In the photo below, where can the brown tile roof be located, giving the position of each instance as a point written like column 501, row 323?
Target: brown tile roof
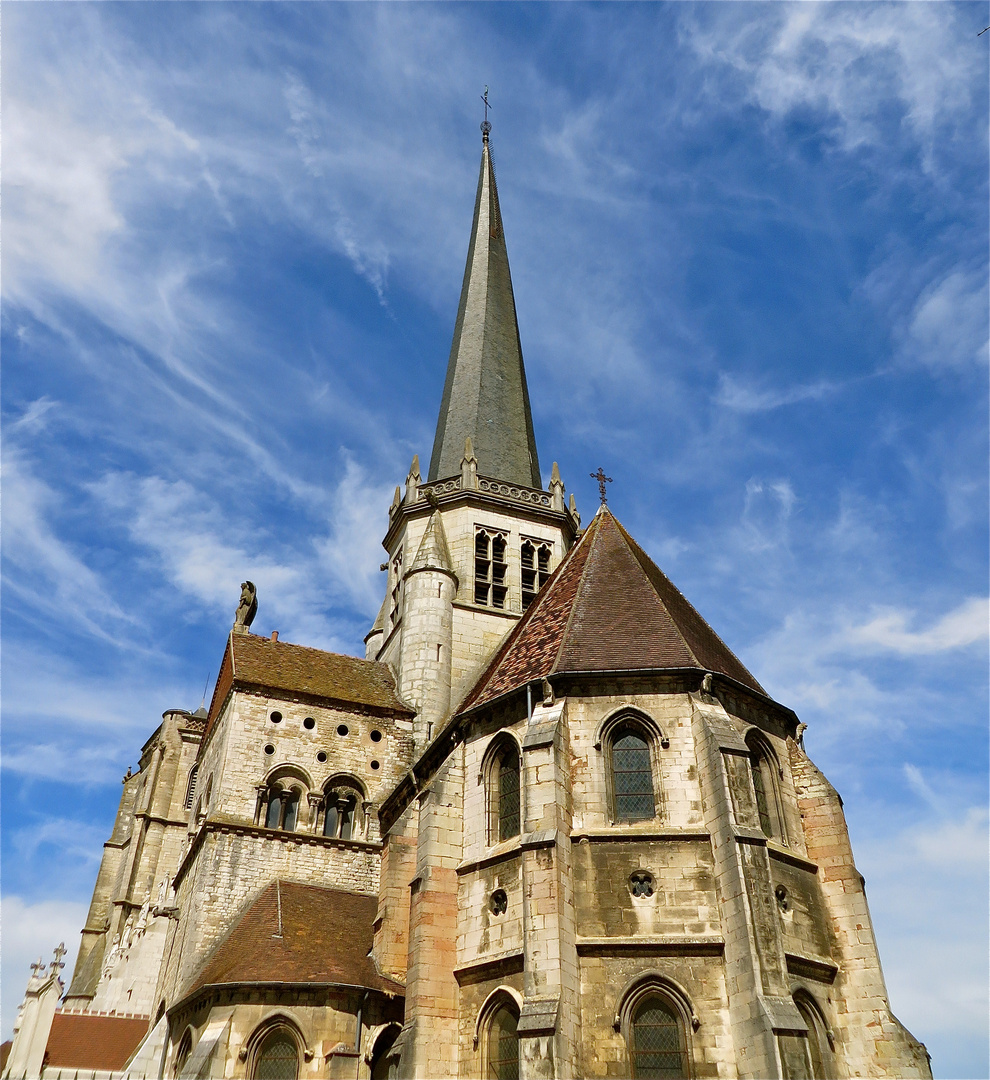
column 607, row 608
column 297, row 669
column 326, row 938
column 81, row 1040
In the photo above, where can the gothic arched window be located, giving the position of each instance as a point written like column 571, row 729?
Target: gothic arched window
column 277, row 1056
column 502, row 1044
column 342, row 808
column 183, row 1052
column 656, row 1019
column 534, row 557
column 818, row 1050
column 504, row 802
column 765, row 771
column 384, row 1064
column 657, row 1044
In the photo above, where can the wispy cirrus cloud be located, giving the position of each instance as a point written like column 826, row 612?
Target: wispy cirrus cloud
column 889, row 631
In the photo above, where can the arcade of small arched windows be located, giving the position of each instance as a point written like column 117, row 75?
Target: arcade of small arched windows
column 288, row 802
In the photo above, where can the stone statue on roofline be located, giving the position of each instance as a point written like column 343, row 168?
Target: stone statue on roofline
column 247, row 608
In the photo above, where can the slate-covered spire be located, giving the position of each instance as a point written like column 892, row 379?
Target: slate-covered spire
column 485, row 396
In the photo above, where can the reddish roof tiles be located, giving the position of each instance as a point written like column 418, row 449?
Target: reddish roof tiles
column 607, row 608
column 297, row 669
column 81, row 1040
column 326, row 937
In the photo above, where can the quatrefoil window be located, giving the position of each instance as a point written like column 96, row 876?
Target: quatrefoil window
column 641, row 883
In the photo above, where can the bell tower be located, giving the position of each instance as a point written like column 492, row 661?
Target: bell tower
column 469, row 547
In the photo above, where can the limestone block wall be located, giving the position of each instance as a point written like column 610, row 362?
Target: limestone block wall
column 398, row 869
column 371, row 748
column 604, row 1052
column 122, row 945
column 869, row 1038
column 680, row 792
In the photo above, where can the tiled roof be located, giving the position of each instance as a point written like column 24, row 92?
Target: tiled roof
column 326, row 936
column 607, row 608
column 81, row 1040
column 297, row 669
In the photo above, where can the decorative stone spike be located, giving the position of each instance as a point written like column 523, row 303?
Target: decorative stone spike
column 574, row 511
column 413, row 480
column 396, row 503
column 469, row 467
column 556, row 489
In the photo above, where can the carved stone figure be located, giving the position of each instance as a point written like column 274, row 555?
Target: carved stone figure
column 248, row 607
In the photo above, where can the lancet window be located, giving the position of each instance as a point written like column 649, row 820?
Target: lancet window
column 656, row 1019
column 502, row 780
column 657, row 1043
column 496, row 1035
column 490, row 568
column 765, row 772
column 273, row 1052
column 535, row 559
column 818, row 1050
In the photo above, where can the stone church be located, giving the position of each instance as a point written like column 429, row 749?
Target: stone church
column 550, row 826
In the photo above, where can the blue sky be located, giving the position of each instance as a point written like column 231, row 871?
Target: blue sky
column 749, row 251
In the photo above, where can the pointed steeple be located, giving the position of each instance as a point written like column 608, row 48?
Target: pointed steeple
column 485, row 396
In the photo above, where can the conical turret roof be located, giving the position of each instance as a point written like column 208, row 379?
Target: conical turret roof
column 608, row 607
column 485, row 397
column 434, row 551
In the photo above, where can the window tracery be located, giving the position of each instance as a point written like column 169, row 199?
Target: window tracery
column 490, row 568
column 535, row 561
column 656, row 1019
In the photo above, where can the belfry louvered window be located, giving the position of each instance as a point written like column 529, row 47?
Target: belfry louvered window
column 658, row 1044
column 191, row 787
column 490, row 568
column 535, row 560
column 631, row 762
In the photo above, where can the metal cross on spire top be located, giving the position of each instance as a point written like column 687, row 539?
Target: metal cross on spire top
column 602, row 481
column 486, row 127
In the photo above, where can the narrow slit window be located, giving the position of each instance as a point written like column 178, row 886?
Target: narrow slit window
column 396, row 593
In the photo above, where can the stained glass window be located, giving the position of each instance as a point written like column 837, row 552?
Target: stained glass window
column 658, row 1051
column 278, row 1058
column 632, row 778
column 503, row 1046
column 508, row 794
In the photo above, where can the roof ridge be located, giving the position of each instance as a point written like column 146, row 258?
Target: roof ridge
column 637, row 551
column 586, row 536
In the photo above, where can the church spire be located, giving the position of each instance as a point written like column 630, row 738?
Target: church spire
column 485, row 396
